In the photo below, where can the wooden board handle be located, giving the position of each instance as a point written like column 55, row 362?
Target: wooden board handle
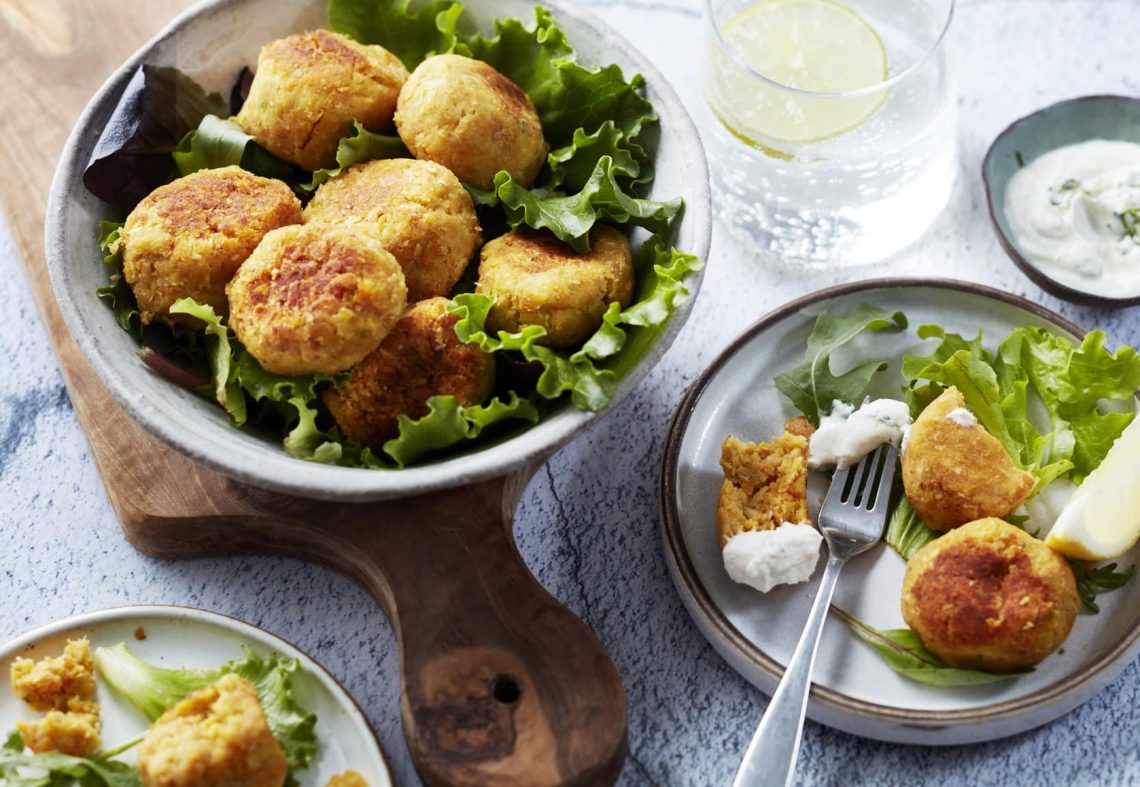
column 501, row 685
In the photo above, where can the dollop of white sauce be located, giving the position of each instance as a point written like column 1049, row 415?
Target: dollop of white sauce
column 846, row 435
column 764, row 559
column 962, row 417
column 1069, row 211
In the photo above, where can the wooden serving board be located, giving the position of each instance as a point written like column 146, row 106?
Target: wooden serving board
column 500, row 683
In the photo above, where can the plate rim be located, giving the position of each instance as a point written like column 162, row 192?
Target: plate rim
column 12, row 645
column 942, row 724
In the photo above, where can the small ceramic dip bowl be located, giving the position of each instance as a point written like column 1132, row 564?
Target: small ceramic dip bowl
column 1064, row 123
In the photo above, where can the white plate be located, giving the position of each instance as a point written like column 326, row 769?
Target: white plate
column 184, row 637
column 854, row 689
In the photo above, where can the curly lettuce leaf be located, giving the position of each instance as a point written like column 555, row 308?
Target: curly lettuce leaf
column 590, row 374
column 222, row 143
column 116, row 292
column 159, row 106
column 1069, row 382
column 152, row 689
column 571, row 216
column 447, row 424
column 52, row 769
column 811, row 386
column 356, row 147
column 412, row 36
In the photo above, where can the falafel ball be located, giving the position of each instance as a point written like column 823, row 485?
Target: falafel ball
column 187, row 238
column 537, row 279
column 421, row 358
column 217, row 736
column 465, row 115
column 954, row 471
column 418, row 210
column 989, row 596
column 308, row 87
column 315, row 298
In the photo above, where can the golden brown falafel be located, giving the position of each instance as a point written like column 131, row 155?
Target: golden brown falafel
column 465, row 115
column 989, row 596
column 309, row 86
column 347, row 779
column 217, row 736
column 187, row 238
column 418, row 210
column 315, row 298
column 537, row 279
column 954, row 471
column 421, row 358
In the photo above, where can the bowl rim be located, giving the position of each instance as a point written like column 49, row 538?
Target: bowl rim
column 908, row 725
column 1027, row 266
column 244, row 628
column 331, row 482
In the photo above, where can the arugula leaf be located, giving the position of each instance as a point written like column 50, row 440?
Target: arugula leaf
column 1094, row 580
column 50, row 769
column 905, row 654
column 811, row 386
column 412, row 36
column 152, row 689
column 222, row 143
column 159, row 106
column 906, row 532
column 358, row 146
column 619, row 342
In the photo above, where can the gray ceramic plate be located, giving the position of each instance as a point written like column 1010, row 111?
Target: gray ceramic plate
column 854, row 689
column 212, row 42
column 185, row 637
column 1060, row 124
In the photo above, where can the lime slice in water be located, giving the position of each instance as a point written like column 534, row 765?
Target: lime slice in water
column 821, row 46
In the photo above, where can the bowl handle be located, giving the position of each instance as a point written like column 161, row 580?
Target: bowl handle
column 500, row 684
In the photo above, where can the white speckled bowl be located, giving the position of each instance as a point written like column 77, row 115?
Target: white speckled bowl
column 212, row 42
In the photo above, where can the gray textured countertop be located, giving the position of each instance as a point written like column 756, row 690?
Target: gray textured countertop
column 587, row 525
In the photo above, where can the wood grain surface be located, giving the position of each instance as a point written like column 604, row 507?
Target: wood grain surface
column 500, row 683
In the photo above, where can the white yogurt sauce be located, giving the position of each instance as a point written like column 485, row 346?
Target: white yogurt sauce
column 1075, row 213
column 764, row 559
column 846, row 435
column 962, row 417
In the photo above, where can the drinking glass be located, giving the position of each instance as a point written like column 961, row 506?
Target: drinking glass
column 831, row 129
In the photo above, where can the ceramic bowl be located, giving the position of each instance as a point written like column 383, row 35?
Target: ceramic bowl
column 1064, row 123
column 212, row 42
column 184, row 637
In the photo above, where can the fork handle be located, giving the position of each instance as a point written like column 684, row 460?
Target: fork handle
column 770, row 760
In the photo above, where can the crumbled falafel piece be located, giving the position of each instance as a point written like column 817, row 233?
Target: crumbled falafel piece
column 187, row 238
column 765, row 485
column 463, row 114
column 217, row 736
column 421, row 358
column 418, row 210
column 315, row 298
column 309, row 86
column 989, row 596
column 537, row 279
column 54, row 682
column 347, row 779
column 74, row 732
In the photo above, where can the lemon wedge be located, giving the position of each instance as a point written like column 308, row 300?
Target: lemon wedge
column 1102, row 518
column 821, row 46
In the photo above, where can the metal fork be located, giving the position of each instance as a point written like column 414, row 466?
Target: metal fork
column 851, row 521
